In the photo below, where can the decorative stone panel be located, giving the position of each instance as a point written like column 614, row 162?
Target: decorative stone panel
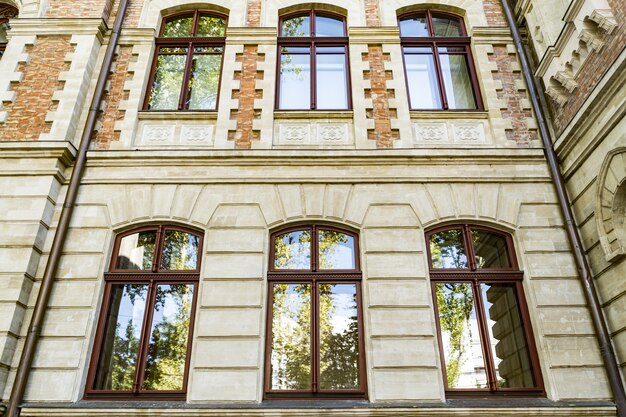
column 611, row 204
column 450, row 132
column 175, row 134
column 319, row 134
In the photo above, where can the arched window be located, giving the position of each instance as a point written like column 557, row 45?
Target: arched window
column 313, row 64
column 485, row 337
column 187, row 65
column 6, row 12
column 438, row 62
column 315, row 331
column 142, row 342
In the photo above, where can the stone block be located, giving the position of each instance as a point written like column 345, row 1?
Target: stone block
column 226, row 353
column 237, row 216
column 551, row 265
column 581, row 383
column 86, row 240
column 558, row 292
column 15, row 288
column 565, row 321
column 401, row 321
column 58, row 353
column 573, row 351
column 407, row 385
column 548, row 240
column 19, row 260
column 411, row 352
column 232, row 293
column 11, row 315
column 236, row 240
column 72, row 293
column 399, row 293
column 390, row 216
column 22, row 234
column 229, row 322
column 57, row 385
column 234, row 266
column 66, row 322
column 616, row 313
column 393, row 240
column 217, row 386
column 394, row 265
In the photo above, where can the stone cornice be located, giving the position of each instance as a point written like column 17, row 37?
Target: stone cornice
column 491, row 35
column 556, row 50
column 373, row 35
column 57, row 26
column 64, row 151
column 132, row 36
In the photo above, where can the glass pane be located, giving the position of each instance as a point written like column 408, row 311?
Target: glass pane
column 137, row 251
column 291, row 337
column 339, row 337
column 460, row 337
column 422, row 79
column 332, row 90
column 293, row 250
column 204, row 82
column 168, row 81
column 416, row 26
column 490, row 250
column 167, row 351
column 295, row 81
column 180, row 251
column 446, row 26
column 118, row 358
column 211, row 26
column 329, row 26
column 508, row 342
column 457, row 80
column 447, row 249
column 336, row 250
column 297, row 26
column 178, row 27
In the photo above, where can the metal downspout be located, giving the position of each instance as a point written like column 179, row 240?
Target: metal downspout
column 34, row 331
column 606, row 348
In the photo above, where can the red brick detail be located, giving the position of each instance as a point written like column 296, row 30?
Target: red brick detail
column 382, row 133
column 494, row 13
column 113, row 97
column 254, row 13
column 515, row 111
column 593, row 69
column 33, row 95
column 372, row 13
column 79, row 8
column 246, row 94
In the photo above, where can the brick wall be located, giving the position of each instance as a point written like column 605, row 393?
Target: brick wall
column 512, row 96
column 494, row 13
column 382, row 133
column 78, row 8
column 33, row 95
column 594, row 68
column 372, row 13
column 245, row 114
column 253, row 17
column 113, row 97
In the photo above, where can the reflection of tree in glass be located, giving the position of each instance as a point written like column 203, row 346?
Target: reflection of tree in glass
column 168, row 79
column 329, row 244
column 339, row 353
column 168, row 342
column 291, row 337
column 447, row 249
column 205, row 75
column 178, row 28
column 455, row 303
column 296, row 27
column 211, row 26
column 124, row 358
column 293, row 250
column 180, row 251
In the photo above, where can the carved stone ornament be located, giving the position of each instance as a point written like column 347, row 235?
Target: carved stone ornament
column 196, row 134
column 469, row 133
column 158, row 134
column 332, row 133
column 431, row 132
column 7, row 12
column 294, row 133
column 610, row 212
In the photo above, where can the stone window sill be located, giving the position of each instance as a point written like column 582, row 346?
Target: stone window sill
column 313, row 114
column 448, row 114
column 177, row 115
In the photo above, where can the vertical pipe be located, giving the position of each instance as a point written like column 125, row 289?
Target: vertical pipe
column 34, row 331
column 606, row 348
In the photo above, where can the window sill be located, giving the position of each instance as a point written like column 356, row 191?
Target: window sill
column 313, row 114
column 177, row 115
column 449, row 114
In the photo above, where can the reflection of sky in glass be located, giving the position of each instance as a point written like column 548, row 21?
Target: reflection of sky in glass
column 447, row 249
column 331, row 81
column 131, row 312
column 457, row 81
column 336, row 250
column 414, row 27
column 344, row 306
column 295, row 81
column 327, row 26
column 297, row 26
column 422, row 80
column 293, row 250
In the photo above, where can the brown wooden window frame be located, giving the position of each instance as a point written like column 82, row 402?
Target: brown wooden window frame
column 190, row 43
column 315, row 276
column 434, row 42
column 476, row 276
column 152, row 278
column 312, row 42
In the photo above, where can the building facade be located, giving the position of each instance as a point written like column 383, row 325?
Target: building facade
column 320, row 208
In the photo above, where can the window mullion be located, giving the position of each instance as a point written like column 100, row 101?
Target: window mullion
column 442, row 88
column 485, row 340
column 315, row 359
column 186, row 77
column 313, row 60
column 144, row 341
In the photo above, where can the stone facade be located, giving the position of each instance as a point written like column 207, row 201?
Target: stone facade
column 241, row 172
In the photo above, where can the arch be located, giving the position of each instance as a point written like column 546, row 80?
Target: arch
column 611, row 203
column 471, row 11
column 154, row 12
column 352, row 10
column 313, row 6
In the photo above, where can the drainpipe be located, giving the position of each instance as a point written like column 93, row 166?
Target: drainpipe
column 606, row 348
column 34, row 331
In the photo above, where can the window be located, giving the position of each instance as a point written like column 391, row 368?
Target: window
column 142, row 342
column 313, row 62
column 6, row 12
column 438, row 62
column 484, row 331
column 315, row 331
column 187, row 65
